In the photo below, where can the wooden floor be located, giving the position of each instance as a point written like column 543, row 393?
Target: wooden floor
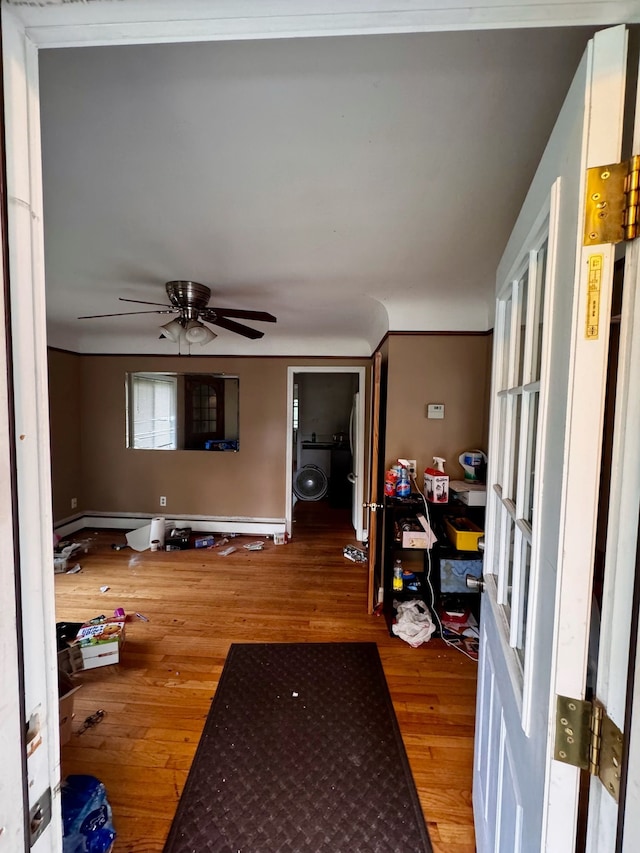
column 197, row 603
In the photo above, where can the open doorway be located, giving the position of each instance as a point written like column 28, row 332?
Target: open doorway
column 325, row 441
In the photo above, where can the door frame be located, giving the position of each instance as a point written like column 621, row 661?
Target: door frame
column 14, row 795
column 629, row 491
column 358, row 468
column 141, row 22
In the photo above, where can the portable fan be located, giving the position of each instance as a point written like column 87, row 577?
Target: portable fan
column 310, row 483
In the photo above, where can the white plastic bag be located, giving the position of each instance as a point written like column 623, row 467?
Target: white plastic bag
column 413, row 623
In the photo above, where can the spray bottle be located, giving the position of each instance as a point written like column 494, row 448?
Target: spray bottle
column 436, row 482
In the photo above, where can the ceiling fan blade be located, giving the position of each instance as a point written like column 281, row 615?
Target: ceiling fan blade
column 143, row 302
column 126, row 314
column 245, row 315
column 254, row 334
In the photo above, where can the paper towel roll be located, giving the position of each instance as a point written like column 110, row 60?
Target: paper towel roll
column 138, row 539
column 158, row 529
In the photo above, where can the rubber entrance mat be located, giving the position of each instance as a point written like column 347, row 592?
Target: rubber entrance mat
column 300, row 753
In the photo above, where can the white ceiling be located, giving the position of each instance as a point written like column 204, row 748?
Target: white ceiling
column 348, row 185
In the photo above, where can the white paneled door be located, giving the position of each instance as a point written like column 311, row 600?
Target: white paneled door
column 548, row 393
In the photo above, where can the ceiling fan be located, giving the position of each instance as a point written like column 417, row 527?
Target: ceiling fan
column 190, row 300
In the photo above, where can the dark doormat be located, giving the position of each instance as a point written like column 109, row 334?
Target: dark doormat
column 301, row 753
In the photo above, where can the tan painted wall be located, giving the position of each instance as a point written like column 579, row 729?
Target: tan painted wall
column 450, row 369
column 90, row 460
column 248, row 484
column 65, row 431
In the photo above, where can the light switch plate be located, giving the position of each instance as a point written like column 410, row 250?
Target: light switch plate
column 435, row 410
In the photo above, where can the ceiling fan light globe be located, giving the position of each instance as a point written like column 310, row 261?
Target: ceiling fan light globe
column 198, row 333
column 173, row 330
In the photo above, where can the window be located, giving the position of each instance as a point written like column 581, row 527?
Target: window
column 519, row 321
column 183, row 411
column 151, row 421
column 296, row 407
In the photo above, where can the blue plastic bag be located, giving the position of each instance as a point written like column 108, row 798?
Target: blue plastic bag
column 86, row 816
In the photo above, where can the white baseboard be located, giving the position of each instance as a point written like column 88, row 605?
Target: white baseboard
column 198, row 523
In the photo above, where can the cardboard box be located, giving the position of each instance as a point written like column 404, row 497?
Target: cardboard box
column 60, row 564
column 70, row 660
column 204, row 542
column 471, row 494
column 100, row 644
column 66, row 691
column 463, row 534
column 454, row 569
column 414, row 532
column 415, row 539
column 436, row 487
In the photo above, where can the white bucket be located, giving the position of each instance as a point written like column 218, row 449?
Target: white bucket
column 473, row 462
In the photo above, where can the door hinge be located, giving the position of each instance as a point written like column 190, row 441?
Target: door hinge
column 39, row 817
column 587, row 738
column 611, row 203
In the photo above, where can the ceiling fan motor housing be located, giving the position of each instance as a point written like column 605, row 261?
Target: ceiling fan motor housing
column 189, row 296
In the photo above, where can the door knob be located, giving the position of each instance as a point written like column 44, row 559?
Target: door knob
column 372, row 505
column 475, row 584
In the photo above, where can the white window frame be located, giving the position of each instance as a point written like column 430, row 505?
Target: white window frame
column 153, row 379
column 508, row 514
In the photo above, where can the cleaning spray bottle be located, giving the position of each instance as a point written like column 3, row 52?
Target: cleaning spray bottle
column 436, row 482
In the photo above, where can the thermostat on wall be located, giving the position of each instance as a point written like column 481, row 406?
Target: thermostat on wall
column 435, row 410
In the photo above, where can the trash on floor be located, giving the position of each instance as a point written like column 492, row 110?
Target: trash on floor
column 254, row 546
column 86, row 816
column 91, row 721
column 413, row 622
column 100, row 641
column 141, row 538
column 63, row 553
column 356, row 555
column 226, row 551
column 178, row 539
column 460, row 629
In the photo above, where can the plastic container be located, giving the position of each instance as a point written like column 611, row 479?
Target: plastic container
column 403, row 486
column 398, row 580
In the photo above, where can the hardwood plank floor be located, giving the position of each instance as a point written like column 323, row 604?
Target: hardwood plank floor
column 197, row 602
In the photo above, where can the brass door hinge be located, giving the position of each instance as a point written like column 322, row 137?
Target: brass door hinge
column 587, row 738
column 611, row 204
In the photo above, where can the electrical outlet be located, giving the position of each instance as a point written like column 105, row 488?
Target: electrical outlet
column 163, row 500
column 74, row 503
column 412, row 467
